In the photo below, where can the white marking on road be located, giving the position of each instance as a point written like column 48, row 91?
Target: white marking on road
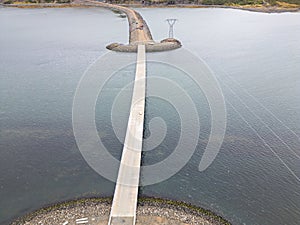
column 81, row 222
column 65, row 223
column 85, row 218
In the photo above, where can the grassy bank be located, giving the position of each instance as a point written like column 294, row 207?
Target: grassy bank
column 19, row 2
column 249, row 5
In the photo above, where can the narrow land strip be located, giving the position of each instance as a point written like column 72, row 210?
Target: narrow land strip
column 279, row 8
column 139, row 32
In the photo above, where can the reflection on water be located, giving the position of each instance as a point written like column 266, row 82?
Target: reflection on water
column 255, row 57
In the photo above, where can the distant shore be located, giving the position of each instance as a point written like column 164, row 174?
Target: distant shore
column 252, row 8
column 96, row 211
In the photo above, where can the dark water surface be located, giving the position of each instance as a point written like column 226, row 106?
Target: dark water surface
column 255, row 57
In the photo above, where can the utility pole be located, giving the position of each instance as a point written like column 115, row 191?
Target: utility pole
column 171, row 23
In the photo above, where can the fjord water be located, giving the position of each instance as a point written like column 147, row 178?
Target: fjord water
column 254, row 56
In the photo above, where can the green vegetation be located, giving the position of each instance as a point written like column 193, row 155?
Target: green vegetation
column 8, row 2
column 237, row 2
column 214, row 2
column 35, row 1
column 249, row 2
column 280, row 4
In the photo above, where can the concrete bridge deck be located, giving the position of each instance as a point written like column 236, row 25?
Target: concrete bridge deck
column 124, row 204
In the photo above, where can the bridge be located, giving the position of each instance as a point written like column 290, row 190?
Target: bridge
column 124, row 204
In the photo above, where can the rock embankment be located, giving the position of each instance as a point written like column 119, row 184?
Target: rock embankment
column 96, row 212
column 150, row 46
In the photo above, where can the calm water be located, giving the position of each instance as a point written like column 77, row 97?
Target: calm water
column 255, row 57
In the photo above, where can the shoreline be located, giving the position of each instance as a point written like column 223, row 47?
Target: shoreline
column 251, row 8
column 259, row 8
column 149, row 210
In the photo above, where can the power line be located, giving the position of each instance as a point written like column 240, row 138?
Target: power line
column 171, row 23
